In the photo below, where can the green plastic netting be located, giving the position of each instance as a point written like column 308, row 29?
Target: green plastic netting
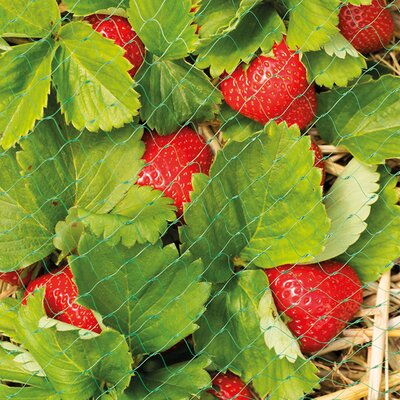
column 199, row 199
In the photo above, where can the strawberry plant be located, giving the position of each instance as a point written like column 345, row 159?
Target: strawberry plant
column 218, row 173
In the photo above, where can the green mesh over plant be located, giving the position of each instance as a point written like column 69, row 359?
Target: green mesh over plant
column 199, row 199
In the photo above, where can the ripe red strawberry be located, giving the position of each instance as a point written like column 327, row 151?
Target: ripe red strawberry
column 228, row 386
column 120, row 31
column 171, row 162
column 59, row 300
column 318, row 160
column 367, row 28
column 272, row 87
column 301, row 111
column 319, row 299
column 20, row 277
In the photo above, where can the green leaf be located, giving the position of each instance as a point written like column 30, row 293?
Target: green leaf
column 340, row 47
column 25, row 75
column 379, row 245
column 91, row 6
column 206, row 396
column 277, row 335
column 4, row 46
column 348, row 204
column 146, row 292
column 78, row 364
column 259, row 28
column 328, row 71
column 311, row 23
column 28, row 393
column 178, row 381
column 13, row 369
column 60, row 169
column 33, row 19
column 148, row 211
column 262, row 203
column 67, row 234
column 165, row 26
column 358, row 2
column 363, row 118
column 88, row 173
column 174, row 92
column 8, row 313
column 26, row 217
column 217, row 17
column 236, row 126
column 142, row 216
column 230, row 334
column 92, row 80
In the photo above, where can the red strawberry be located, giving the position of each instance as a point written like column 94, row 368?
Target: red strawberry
column 318, row 160
column 59, row 300
column 272, row 87
column 120, row 31
column 229, row 386
column 318, row 298
column 20, row 277
column 367, row 28
column 301, row 111
column 171, row 162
